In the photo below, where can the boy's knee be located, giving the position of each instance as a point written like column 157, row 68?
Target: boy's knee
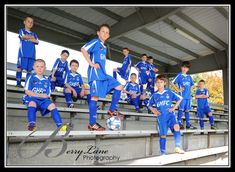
column 95, row 98
column 120, row 87
column 163, row 136
column 176, row 127
column 32, row 104
column 51, row 106
column 67, row 90
column 19, row 69
column 210, row 114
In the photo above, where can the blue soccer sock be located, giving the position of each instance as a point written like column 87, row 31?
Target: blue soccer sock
column 31, row 114
column 141, row 89
column 146, row 104
column 177, row 137
column 92, row 111
column 162, row 145
column 180, row 113
column 56, row 117
column 136, row 103
column 115, row 75
column 201, row 123
column 211, row 119
column 88, row 98
column 18, row 77
column 187, row 119
column 68, row 98
column 115, row 99
column 53, row 83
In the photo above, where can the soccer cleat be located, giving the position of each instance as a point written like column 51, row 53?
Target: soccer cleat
column 139, row 111
column 32, row 127
column 115, row 113
column 191, row 127
column 213, row 127
column 63, row 128
column 95, row 127
column 179, row 151
column 181, row 127
column 19, row 86
column 71, row 106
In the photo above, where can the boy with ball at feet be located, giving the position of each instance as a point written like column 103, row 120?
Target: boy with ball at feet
column 164, row 110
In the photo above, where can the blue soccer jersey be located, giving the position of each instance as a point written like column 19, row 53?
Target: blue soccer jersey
column 97, row 51
column 152, row 74
column 74, row 80
column 132, row 87
column 186, row 82
column 38, row 85
column 202, row 102
column 27, row 48
column 143, row 68
column 124, row 71
column 163, row 101
column 60, row 67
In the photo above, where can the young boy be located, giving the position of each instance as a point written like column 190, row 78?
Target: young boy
column 202, row 96
column 132, row 89
column 100, row 82
column 142, row 68
column 27, row 51
column 37, row 90
column 152, row 74
column 59, row 70
column 185, row 82
column 124, row 71
column 164, row 111
column 73, row 85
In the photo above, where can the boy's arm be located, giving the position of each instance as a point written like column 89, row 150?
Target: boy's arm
column 68, row 86
column 176, row 105
column 175, row 87
column 33, row 40
column 31, row 93
column 87, row 57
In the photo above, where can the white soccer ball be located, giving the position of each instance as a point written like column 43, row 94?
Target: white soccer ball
column 114, row 123
column 123, row 96
column 148, row 93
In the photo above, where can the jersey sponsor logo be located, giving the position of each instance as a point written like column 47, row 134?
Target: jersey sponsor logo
column 186, row 83
column 163, row 103
column 74, row 84
column 38, row 90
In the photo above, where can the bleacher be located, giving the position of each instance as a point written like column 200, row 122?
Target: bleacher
column 137, row 139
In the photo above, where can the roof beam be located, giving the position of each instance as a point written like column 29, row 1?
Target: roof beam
column 149, row 15
column 201, row 28
column 70, row 17
column 222, row 11
column 130, row 41
column 167, row 41
column 107, row 13
column 175, row 25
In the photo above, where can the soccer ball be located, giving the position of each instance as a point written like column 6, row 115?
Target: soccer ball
column 123, row 96
column 114, row 123
column 148, row 93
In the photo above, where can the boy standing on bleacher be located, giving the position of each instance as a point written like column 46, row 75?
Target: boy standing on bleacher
column 100, row 82
column 59, row 70
column 164, row 110
column 73, row 85
column 152, row 74
column 38, row 90
column 27, row 51
column 202, row 96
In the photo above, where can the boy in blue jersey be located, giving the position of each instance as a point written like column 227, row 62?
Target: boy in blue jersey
column 152, row 74
column 185, row 82
column 142, row 68
column 202, row 96
column 132, row 89
column 100, row 82
column 27, row 51
column 37, row 97
column 73, row 85
column 59, row 70
column 124, row 71
column 164, row 110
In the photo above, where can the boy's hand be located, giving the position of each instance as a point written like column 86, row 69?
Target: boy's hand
column 82, row 93
column 133, row 96
column 53, row 78
column 181, row 89
column 171, row 109
column 156, row 112
column 155, row 70
column 96, row 66
column 44, row 96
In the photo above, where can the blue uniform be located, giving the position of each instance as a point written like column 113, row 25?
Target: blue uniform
column 163, row 102
column 100, row 82
column 61, row 68
column 133, row 88
column 143, row 68
column 124, row 71
column 202, row 103
column 186, row 82
column 152, row 75
column 27, row 51
column 41, row 86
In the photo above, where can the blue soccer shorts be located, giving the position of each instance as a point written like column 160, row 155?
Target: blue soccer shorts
column 59, row 81
column 25, row 63
column 143, row 78
column 41, row 103
column 78, row 91
column 101, row 88
column 166, row 121
column 133, row 101
column 185, row 105
column 200, row 112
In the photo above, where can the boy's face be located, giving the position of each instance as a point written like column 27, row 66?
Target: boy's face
column 133, row 78
column 74, row 67
column 28, row 22
column 39, row 68
column 125, row 52
column 144, row 58
column 150, row 61
column 160, row 83
column 103, row 33
column 64, row 56
column 184, row 69
column 201, row 85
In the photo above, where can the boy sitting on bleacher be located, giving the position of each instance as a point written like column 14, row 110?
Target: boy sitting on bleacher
column 73, row 85
column 202, row 96
column 37, row 90
column 164, row 110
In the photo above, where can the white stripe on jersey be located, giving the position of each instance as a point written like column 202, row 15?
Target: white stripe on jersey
column 56, row 65
column 27, row 83
column 65, row 81
column 89, row 46
column 178, row 95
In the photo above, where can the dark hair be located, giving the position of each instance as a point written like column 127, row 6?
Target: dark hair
column 40, row 60
column 202, row 81
column 65, row 51
column 150, row 57
column 125, row 48
column 73, row 61
column 186, row 64
column 144, row 55
column 103, row 25
column 161, row 77
column 28, row 17
column 133, row 74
